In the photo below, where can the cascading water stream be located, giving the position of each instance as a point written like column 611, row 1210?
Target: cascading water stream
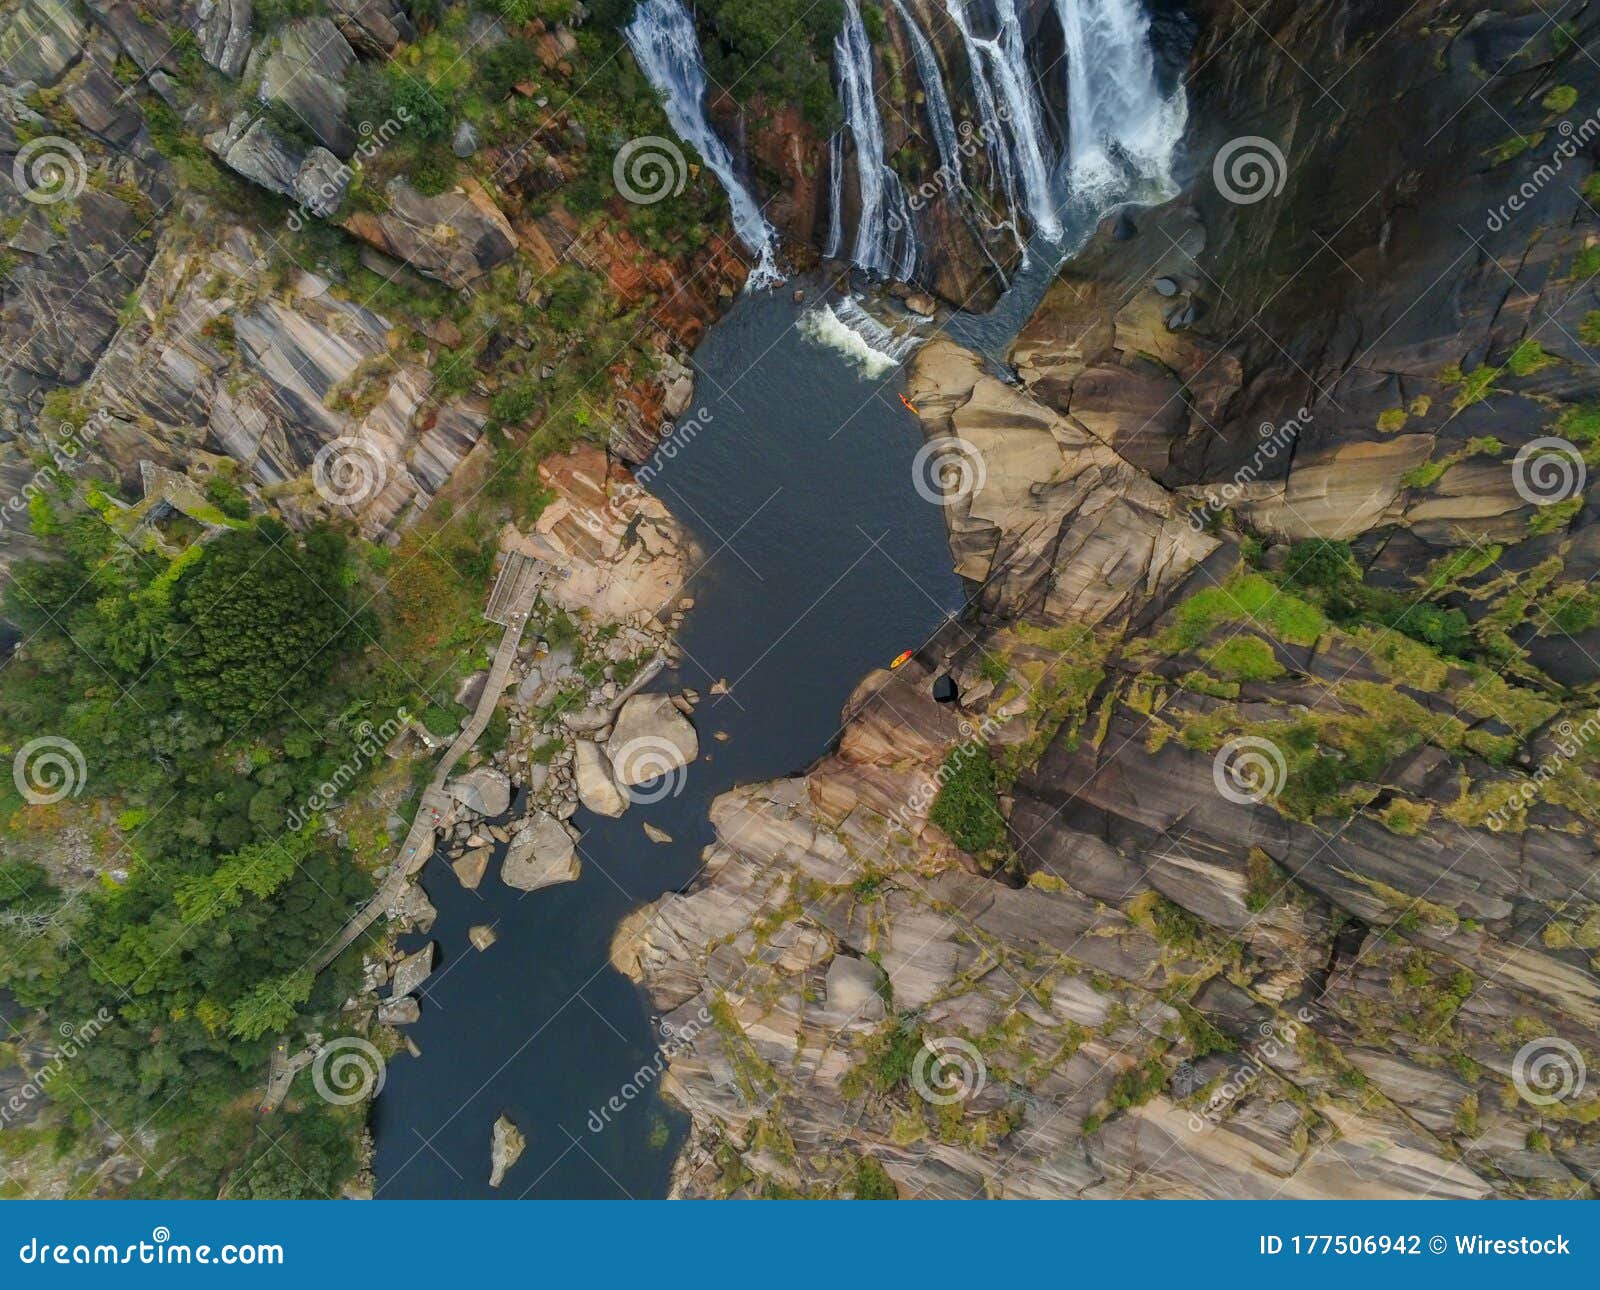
column 1003, row 87
column 1119, row 124
column 938, row 102
column 886, row 240
column 663, row 40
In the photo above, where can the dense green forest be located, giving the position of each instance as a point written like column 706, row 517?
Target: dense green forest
column 211, row 682
column 208, row 694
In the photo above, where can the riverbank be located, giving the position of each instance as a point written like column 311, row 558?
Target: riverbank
column 553, row 1040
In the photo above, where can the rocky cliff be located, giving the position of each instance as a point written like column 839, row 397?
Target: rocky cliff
column 174, row 295
column 1252, row 857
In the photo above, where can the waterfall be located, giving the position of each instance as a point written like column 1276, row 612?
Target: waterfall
column 845, row 327
column 1000, row 69
column 835, row 196
column 943, row 120
column 885, row 238
column 663, row 40
column 1117, row 118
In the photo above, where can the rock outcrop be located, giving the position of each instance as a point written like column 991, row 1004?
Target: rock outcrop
column 1296, row 772
column 541, row 854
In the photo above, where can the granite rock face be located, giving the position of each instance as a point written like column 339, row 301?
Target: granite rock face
column 1295, row 891
column 541, row 854
column 455, row 237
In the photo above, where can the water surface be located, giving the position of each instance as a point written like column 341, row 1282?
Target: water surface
column 822, row 562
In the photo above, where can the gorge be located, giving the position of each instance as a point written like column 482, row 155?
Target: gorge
column 1227, row 833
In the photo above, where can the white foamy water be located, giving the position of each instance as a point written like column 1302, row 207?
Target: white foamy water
column 664, row 43
column 848, row 329
column 886, row 240
column 1118, row 123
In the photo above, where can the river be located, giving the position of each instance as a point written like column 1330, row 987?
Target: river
column 823, row 563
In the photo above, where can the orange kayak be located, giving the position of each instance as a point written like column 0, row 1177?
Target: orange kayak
column 903, row 657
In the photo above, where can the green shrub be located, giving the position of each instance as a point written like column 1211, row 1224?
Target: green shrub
column 1529, row 357
column 1244, row 658
column 1319, row 562
column 968, row 805
column 1586, row 264
column 888, row 1056
column 870, row 1181
column 434, row 172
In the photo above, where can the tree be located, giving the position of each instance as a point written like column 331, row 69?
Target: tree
column 257, row 621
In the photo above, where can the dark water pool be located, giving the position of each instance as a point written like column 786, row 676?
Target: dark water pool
column 823, row 562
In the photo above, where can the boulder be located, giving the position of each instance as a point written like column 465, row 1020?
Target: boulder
column 465, row 140
column 541, row 854
column 655, row 834
column 482, row 936
column 222, row 28
column 250, row 147
column 853, row 989
column 482, row 790
column 372, row 26
column 411, row 971
column 39, row 41
column 506, row 1145
column 404, row 1011
column 454, row 236
column 305, row 74
column 596, row 788
column 650, row 738
column 470, row 868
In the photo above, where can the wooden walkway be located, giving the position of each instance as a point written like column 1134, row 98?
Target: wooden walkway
column 517, row 573
column 437, row 809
